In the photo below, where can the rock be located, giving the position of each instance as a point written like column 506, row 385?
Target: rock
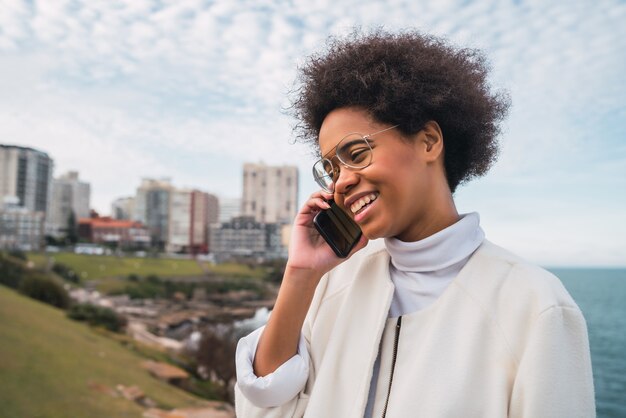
column 132, row 393
column 164, row 371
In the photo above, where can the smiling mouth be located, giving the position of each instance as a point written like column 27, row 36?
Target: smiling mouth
column 363, row 203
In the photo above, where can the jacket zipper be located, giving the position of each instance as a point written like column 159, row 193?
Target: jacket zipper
column 393, row 362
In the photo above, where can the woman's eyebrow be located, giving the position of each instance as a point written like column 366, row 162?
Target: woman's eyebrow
column 350, row 142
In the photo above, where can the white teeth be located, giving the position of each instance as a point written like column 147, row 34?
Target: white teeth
column 356, row 206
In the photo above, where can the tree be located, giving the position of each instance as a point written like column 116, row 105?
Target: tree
column 71, row 233
column 216, row 358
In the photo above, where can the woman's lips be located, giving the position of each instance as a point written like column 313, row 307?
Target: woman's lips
column 362, row 203
column 361, row 213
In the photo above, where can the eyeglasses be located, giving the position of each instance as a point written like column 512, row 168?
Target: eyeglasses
column 353, row 151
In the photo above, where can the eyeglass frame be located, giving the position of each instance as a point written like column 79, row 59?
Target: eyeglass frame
column 364, row 137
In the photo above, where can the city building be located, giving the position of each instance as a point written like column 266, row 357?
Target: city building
column 229, row 208
column 123, row 208
column 26, row 173
column 124, row 234
column 191, row 212
column 277, row 240
column 20, row 228
column 69, row 196
column 245, row 238
column 270, row 193
column 241, row 237
column 213, row 209
column 152, row 204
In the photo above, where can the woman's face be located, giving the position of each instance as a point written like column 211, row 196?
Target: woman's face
column 397, row 183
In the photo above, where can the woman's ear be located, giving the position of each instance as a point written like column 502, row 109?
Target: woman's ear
column 433, row 139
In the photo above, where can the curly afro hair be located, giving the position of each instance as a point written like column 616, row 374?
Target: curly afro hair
column 407, row 79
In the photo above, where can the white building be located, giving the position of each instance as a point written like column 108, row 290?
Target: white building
column 229, row 208
column 123, row 208
column 243, row 237
column 152, row 204
column 191, row 212
column 270, row 193
column 26, row 173
column 69, row 195
column 20, row 228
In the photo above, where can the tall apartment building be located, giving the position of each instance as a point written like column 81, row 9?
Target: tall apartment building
column 26, row 173
column 123, row 208
column 20, row 228
column 213, row 208
column 270, row 193
column 152, row 204
column 191, row 213
column 69, row 195
column 229, row 208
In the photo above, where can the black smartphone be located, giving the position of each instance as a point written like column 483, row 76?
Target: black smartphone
column 338, row 229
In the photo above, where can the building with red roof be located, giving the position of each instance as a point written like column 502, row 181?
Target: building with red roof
column 121, row 233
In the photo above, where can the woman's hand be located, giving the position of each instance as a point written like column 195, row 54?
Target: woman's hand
column 307, row 249
column 310, row 257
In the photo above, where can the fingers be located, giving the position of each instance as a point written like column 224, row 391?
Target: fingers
column 317, row 202
column 325, row 195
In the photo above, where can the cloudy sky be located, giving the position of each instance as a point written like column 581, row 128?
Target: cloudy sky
column 192, row 89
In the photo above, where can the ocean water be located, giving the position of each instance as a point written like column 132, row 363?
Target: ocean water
column 601, row 295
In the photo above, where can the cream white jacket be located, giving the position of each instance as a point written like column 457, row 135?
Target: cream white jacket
column 505, row 339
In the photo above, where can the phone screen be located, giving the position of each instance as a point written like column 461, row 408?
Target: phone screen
column 338, row 229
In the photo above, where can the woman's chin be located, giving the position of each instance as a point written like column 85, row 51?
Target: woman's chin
column 372, row 233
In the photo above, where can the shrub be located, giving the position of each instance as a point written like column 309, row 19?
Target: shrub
column 97, row 316
column 66, row 272
column 45, row 290
column 11, row 271
column 133, row 277
column 19, row 254
column 144, row 290
column 274, row 270
column 153, row 279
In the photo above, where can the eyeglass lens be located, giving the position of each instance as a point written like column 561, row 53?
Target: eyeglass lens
column 352, row 151
column 323, row 174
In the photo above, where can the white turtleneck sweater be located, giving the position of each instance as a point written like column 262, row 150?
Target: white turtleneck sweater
column 420, row 272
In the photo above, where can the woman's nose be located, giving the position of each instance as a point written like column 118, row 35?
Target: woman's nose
column 345, row 180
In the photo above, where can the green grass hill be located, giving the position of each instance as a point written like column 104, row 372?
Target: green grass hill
column 90, row 267
column 53, row 367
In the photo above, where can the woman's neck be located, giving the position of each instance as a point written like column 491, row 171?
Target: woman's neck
column 440, row 215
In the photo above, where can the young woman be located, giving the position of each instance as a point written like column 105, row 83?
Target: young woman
column 432, row 321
